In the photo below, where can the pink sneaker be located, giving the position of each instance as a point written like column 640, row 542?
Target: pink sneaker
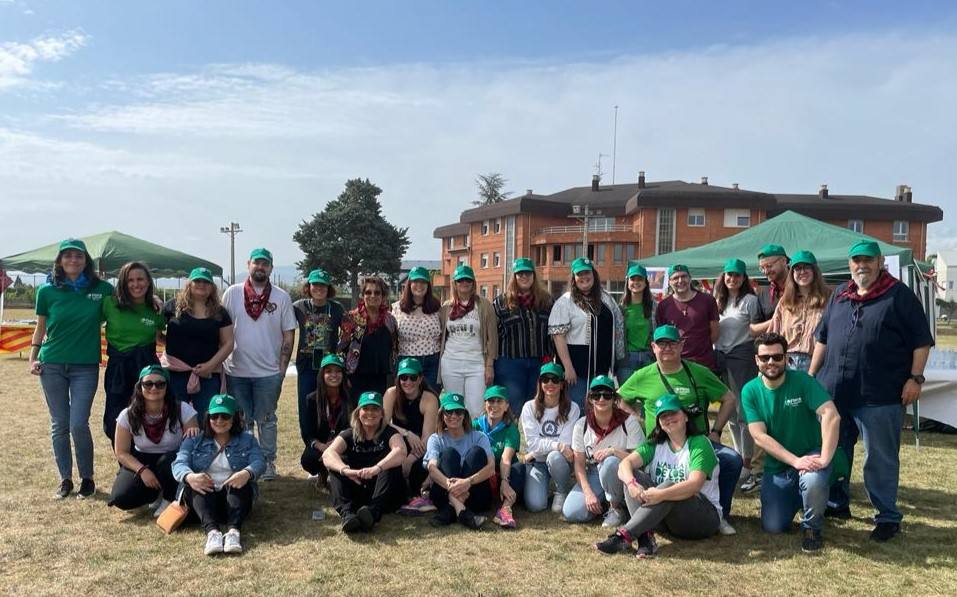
column 504, row 518
column 419, row 506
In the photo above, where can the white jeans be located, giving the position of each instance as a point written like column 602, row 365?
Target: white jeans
column 466, row 378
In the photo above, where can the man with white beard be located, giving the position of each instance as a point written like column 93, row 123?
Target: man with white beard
column 870, row 352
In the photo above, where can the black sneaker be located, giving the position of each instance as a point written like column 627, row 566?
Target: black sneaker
column 838, row 513
column 885, row 531
column 366, row 519
column 647, row 546
column 66, row 488
column 351, row 523
column 87, row 488
column 811, row 541
column 443, row 517
column 471, row 520
column 615, row 543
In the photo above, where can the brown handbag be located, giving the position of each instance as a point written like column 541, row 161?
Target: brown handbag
column 174, row 514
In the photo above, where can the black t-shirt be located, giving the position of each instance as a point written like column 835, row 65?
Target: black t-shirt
column 375, row 355
column 193, row 340
column 603, row 339
column 364, row 454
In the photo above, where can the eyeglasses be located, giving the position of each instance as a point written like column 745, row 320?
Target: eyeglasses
column 220, row 417
column 373, row 293
column 408, row 378
column 149, row 385
column 666, row 344
column 453, row 413
column 550, row 379
column 596, row 396
column 767, row 358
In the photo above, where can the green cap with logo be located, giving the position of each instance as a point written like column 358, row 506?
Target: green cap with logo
column 369, row 399
column 222, row 404
column 735, row 266
column 552, row 369
column 154, row 369
column 523, row 264
column 636, row 269
column 864, row 248
column 772, row 250
column 409, row 366
column 496, row 392
column 201, row 273
column 582, row 264
column 452, row 401
column 463, row 272
column 260, row 253
column 332, row 359
column 666, row 332
column 319, row 276
column 805, row 257
column 667, row 403
column 674, row 269
column 602, row 381
column 72, row 243
column 419, row 273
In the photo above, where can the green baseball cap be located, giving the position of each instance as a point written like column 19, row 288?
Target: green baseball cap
column 667, row 332
column 772, row 250
column 602, row 381
column 332, row 359
column 201, row 273
column 499, row 392
column 523, row 264
column 370, row 399
column 260, row 253
column 636, row 269
column 865, row 248
column 803, row 257
column 154, row 369
column 552, row 369
column 419, row 273
column 72, row 243
column 667, row 403
column 735, row 266
column 452, row 401
column 582, row 264
column 677, row 268
column 319, row 276
column 222, row 404
column 409, row 366
column 463, row 272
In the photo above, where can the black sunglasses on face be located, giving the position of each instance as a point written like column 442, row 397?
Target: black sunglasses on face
column 766, row 358
column 220, row 417
column 550, row 379
column 408, row 378
column 373, row 293
column 596, row 396
column 149, row 385
column 453, row 413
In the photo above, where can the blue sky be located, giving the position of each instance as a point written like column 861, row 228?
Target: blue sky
column 142, row 116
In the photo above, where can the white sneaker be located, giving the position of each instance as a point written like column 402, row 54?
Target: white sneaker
column 745, row 473
column 163, row 505
column 558, row 502
column 231, row 542
column 750, row 484
column 155, row 503
column 725, row 528
column 270, row 472
column 613, row 518
column 214, row 543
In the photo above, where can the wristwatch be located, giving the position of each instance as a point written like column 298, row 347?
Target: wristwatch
column 920, row 379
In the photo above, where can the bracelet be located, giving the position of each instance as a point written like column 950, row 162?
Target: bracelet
column 140, row 470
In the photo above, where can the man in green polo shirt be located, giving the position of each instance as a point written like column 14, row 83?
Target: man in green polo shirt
column 696, row 386
column 792, row 418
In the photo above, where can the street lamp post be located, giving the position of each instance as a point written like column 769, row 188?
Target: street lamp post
column 584, row 213
column 232, row 230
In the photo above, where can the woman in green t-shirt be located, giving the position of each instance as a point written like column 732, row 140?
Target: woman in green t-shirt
column 638, row 310
column 498, row 424
column 65, row 353
column 133, row 323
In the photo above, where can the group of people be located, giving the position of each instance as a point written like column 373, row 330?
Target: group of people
column 612, row 397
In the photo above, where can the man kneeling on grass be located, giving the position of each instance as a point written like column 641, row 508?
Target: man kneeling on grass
column 783, row 409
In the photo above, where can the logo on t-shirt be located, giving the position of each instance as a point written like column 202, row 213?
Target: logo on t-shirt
column 95, row 296
column 148, row 322
column 792, row 402
column 668, row 472
column 550, row 429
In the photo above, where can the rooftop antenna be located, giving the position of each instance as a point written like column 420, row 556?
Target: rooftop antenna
column 597, row 166
column 614, row 148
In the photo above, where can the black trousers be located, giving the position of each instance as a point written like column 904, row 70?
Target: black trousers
column 130, row 492
column 228, row 505
column 417, row 475
column 453, row 465
column 382, row 494
column 311, row 461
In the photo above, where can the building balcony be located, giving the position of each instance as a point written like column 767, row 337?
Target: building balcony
column 599, row 227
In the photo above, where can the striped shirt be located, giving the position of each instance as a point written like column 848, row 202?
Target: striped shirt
column 522, row 333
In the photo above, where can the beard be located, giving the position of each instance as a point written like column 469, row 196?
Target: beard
column 863, row 280
column 259, row 276
column 773, row 377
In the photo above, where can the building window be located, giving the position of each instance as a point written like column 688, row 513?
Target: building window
column 737, row 218
column 484, row 260
column 496, row 259
column 462, row 260
column 616, row 287
column 695, row 217
column 484, row 291
column 578, row 251
column 666, row 230
column 450, row 242
column 950, row 285
column 856, row 225
column 600, row 253
column 484, row 227
column 900, row 231
column 601, row 224
column 495, row 290
column 619, row 255
column 629, row 253
column 498, row 225
column 568, row 252
column 556, row 254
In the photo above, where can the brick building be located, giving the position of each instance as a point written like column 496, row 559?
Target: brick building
column 631, row 221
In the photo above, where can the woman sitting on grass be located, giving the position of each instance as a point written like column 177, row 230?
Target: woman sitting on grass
column 364, row 464
column 680, row 493
column 498, row 424
column 148, row 435
column 325, row 415
column 219, row 468
column 460, row 462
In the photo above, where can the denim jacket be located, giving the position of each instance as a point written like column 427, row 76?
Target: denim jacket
column 197, row 453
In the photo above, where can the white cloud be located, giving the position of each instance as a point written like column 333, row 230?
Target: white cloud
column 18, row 60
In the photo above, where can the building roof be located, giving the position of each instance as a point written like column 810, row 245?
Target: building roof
column 855, row 206
column 430, row 264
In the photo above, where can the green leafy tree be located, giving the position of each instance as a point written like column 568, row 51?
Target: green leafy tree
column 490, row 188
column 351, row 238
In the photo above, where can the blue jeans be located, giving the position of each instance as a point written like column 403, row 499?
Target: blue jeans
column 784, row 493
column 731, row 464
column 430, row 368
column 537, row 476
column 258, row 397
column 577, row 392
column 605, row 484
column 69, row 392
column 208, row 387
column 880, row 426
column 520, row 377
column 307, row 379
column 633, row 361
column 801, row 361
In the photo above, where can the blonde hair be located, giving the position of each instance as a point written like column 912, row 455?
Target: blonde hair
column 356, row 425
column 541, row 299
column 184, row 301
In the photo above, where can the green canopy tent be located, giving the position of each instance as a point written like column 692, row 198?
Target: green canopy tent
column 110, row 250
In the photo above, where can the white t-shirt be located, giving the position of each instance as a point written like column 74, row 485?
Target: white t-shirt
column 543, row 436
column 171, row 439
column 258, row 341
column 668, row 465
column 219, row 470
column 464, row 341
column 624, row 437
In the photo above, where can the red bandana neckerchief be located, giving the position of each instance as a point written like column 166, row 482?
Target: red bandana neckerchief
column 154, row 430
column 525, row 301
column 884, row 282
column 775, row 292
column 372, row 326
column 618, row 417
column 255, row 303
column 459, row 310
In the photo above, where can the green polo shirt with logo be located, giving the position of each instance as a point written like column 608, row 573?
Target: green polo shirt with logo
column 73, row 323
column 129, row 328
column 789, row 412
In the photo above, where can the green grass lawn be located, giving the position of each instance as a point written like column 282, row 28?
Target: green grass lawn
column 86, row 548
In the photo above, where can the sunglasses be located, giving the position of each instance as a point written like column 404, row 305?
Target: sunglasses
column 408, row 378
column 550, row 379
column 149, row 385
column 220, row 417
column 373, row 293
column 767, row 358
column 453, row 413
column 596, row 396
